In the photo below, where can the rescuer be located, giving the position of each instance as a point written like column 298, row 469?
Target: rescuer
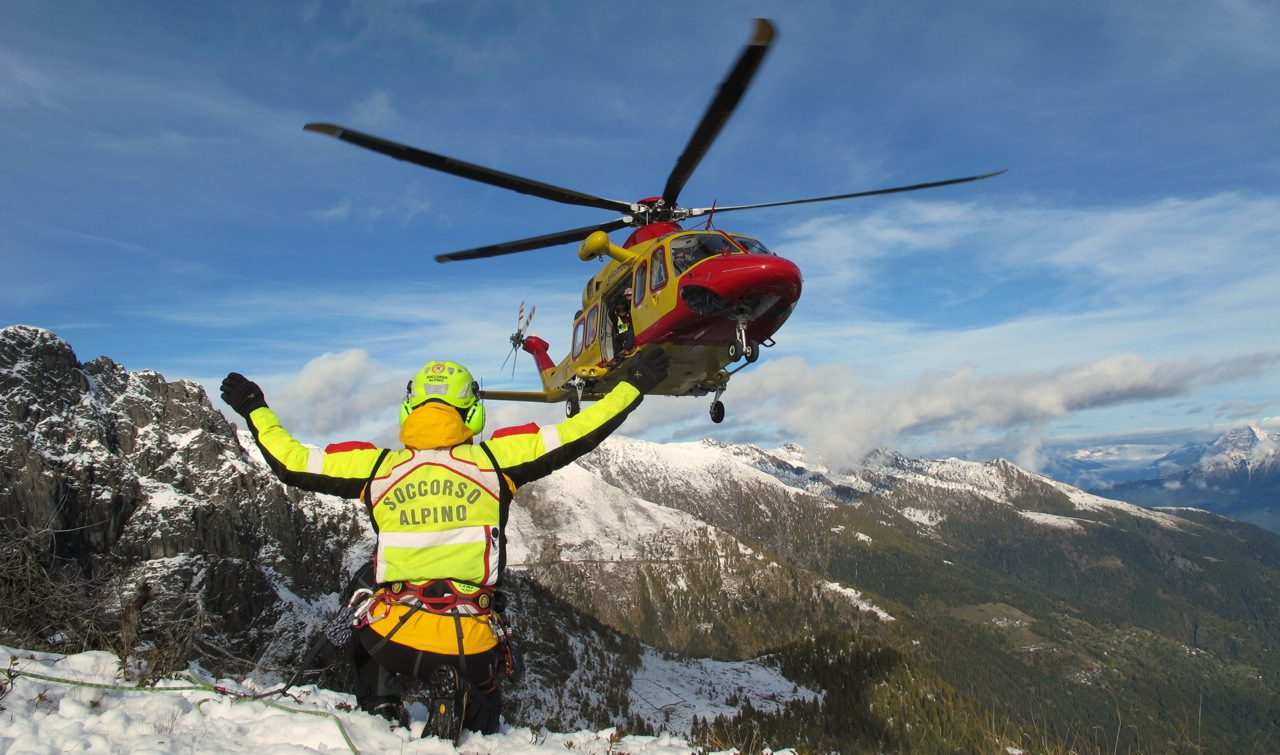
column 439, row 506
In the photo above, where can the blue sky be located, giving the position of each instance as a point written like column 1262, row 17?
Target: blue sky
column 160, row 203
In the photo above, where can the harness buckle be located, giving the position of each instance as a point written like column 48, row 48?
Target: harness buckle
column 441, row 596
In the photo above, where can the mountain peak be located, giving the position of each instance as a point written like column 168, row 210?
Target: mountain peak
column 27, row 344
column 1245, row 447
column 29, row 334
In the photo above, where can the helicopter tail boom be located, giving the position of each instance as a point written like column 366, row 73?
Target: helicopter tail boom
column 539, row 348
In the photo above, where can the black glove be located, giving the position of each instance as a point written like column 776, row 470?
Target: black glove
column 242, row 394
column 648, row 369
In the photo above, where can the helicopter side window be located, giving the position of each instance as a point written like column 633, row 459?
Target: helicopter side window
column 579, row 336
column 751, row 245
column 658, row 275
column 637, row 291
column 592, row 317
column 687, row 251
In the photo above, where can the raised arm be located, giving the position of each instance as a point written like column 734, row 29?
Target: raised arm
column 343, row 473
column 529, row 456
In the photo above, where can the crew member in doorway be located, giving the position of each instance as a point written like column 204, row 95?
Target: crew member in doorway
column 623, row 336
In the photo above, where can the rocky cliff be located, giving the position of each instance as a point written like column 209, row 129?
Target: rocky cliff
column 142, row 480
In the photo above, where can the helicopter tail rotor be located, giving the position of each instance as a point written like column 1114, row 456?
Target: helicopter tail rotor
column 517, row 338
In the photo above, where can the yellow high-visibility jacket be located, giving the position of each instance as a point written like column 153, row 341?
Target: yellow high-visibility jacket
column 439, row 505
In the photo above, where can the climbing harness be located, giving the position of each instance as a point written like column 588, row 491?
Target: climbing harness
column 440, row 596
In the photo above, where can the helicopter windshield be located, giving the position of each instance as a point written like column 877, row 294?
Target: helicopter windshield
column 687, row 251
column 752, row 245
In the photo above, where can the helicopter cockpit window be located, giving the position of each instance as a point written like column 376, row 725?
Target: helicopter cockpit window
column 752, row 245
column 658, row 276
column 687, row 251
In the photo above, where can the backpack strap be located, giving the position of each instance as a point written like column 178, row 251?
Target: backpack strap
column 366, row 494
column 504, row 509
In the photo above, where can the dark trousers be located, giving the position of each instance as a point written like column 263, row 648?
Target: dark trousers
column 377, row 662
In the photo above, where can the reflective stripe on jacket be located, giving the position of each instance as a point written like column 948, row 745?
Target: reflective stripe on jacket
column 432, row 436
column 438, row 513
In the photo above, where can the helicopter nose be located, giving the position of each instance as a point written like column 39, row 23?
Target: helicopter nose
column 726, row 282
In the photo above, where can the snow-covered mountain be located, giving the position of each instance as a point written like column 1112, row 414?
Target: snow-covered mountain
column 1243, row 449
column 701, row 476
column 844, row 609
column 1237, row 474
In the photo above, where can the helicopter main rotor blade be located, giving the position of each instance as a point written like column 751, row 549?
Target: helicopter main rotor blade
column 721, row 107
column 535, row 242
column 895, row 190
column 462, row 169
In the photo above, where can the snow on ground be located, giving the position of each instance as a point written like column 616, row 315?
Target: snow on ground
column 676, row 691
column 924, row 517
column 160, row 497
column 699, row 465
column 1054, row 520
column 584, row 528
column 55, row 704
column 1090, row 502
column 986, row 479
column 856, row 598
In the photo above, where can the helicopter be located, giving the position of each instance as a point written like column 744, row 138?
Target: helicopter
column 713, row 299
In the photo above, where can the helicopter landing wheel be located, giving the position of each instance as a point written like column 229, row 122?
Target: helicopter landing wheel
column 572, row 407
column 717, row 412
column 735, row 351
column 752, row 352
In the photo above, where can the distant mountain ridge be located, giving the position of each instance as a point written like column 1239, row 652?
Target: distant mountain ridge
column 1236, row 474
column 901, row 606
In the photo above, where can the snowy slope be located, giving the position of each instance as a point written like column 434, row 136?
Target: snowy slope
column 602, row 507
column 707, row 469
column 87, row 711
column 590, row 519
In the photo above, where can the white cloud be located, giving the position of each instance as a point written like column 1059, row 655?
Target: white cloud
column 335, row 393
column 399, row 208
column 1164, row 279
column 1136, row 248
column 24, row 84
column 840, row 415
column 839, row 248
column 847, row 383
column 376, row 111
column 337, row 213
